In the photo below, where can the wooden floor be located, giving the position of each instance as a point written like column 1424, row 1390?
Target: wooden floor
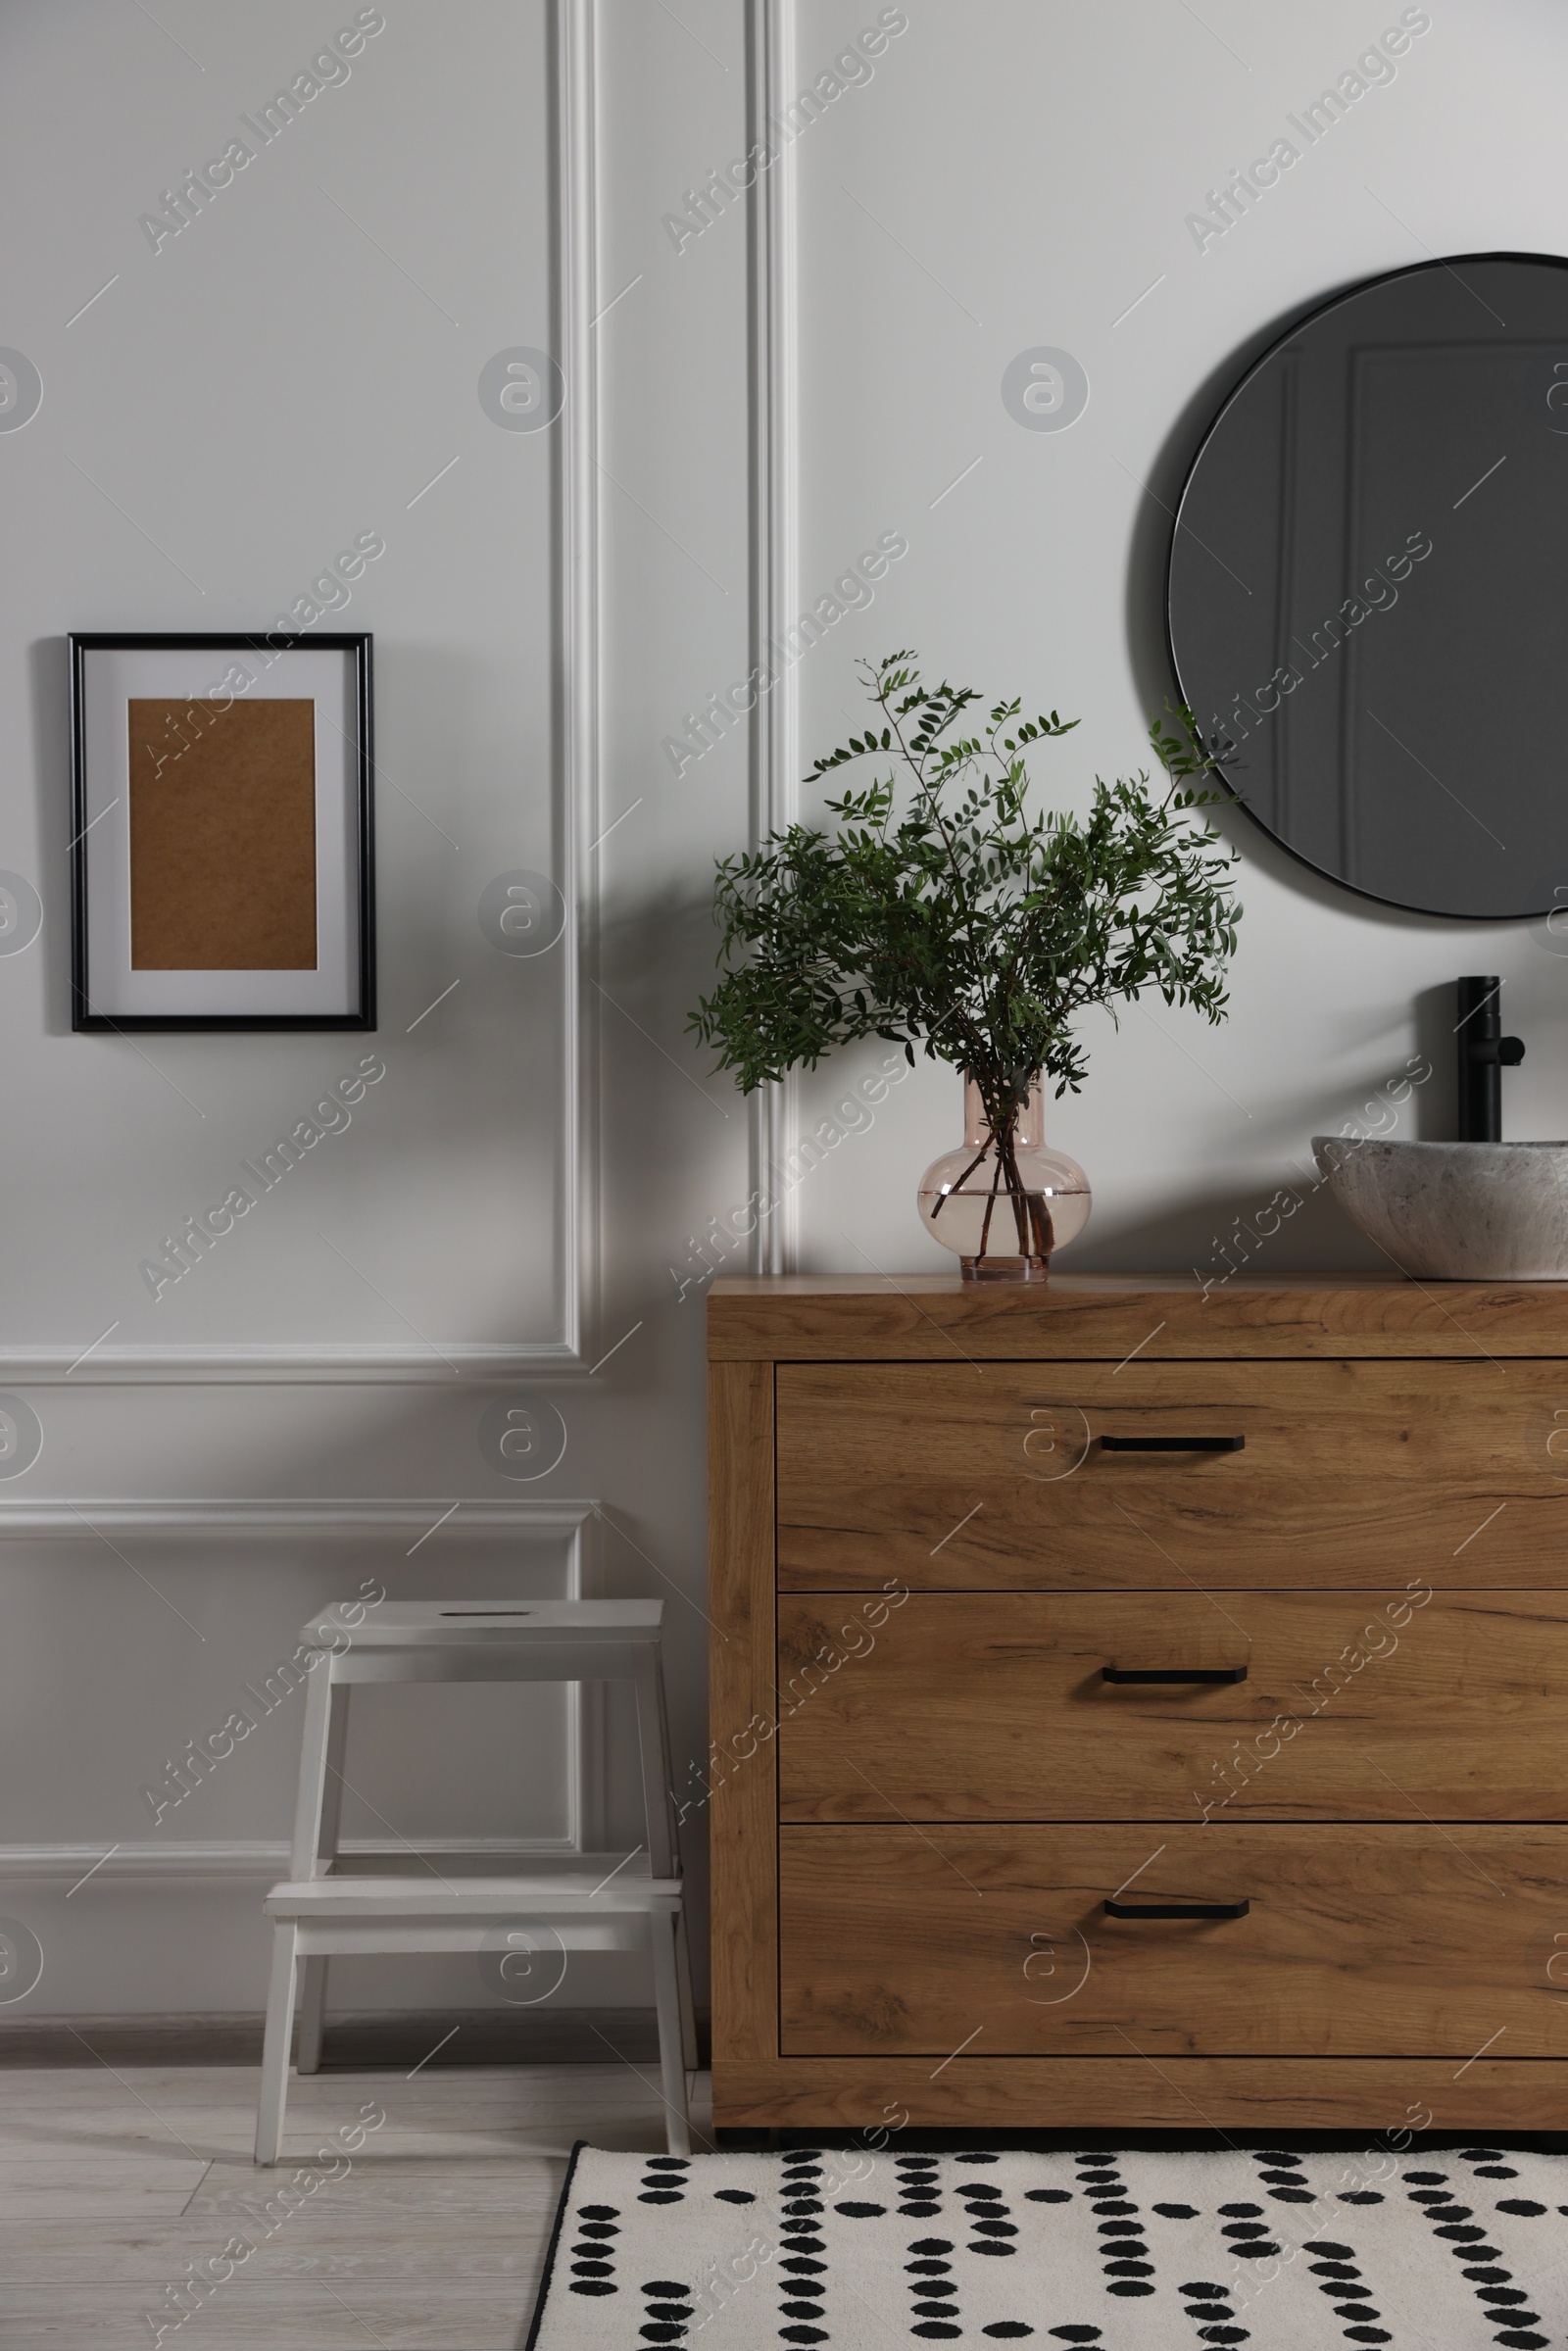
column 115, row 2185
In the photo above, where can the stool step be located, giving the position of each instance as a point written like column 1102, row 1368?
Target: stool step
column 467, row 1623
column 509, row 1906
column 418, row 1862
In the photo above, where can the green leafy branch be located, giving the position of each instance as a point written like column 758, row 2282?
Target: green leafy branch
column 966, row 925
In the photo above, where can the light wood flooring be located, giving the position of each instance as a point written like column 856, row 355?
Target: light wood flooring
column 115, row 2183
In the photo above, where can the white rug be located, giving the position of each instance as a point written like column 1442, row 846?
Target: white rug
column 1453, row 2251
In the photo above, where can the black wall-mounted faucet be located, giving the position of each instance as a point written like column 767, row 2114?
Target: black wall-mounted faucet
column 1484, row 1054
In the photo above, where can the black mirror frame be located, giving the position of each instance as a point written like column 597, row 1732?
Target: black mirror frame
column 1451, row 261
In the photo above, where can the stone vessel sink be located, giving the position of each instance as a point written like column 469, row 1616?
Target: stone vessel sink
column 1456, row 1211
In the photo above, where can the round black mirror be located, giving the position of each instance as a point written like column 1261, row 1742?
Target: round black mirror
column 1367, row 596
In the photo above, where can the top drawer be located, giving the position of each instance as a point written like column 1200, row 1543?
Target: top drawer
column 1071, row 1476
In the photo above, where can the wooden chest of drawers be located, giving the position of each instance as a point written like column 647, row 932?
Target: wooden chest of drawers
column 1139, row 1709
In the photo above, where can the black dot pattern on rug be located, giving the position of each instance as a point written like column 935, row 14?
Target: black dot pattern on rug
column 1248, row 2233
column 670, row 2311
column 1110, row 2234
column 1123, row 2246
column 1282, row 2175
column 929, row 2270
column 1503, row 2302
column 801, row 2267
column 993, row 2229
column 665, row 2180
column 1339, row 2276
column 1208, row 2306
column 919, row 2196
column 593, row 2256
column 1491, row 2163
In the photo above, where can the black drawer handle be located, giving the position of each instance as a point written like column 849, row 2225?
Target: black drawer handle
column 1171, row 1444
column 1174, row 1673
column 1178, row 1910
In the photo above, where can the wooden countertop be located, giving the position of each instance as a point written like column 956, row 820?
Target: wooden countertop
column 942, row 1318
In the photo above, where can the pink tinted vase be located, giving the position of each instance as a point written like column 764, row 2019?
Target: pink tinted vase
column 1004, row 1210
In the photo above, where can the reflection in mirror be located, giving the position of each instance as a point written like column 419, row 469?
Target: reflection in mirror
column 1368, row 586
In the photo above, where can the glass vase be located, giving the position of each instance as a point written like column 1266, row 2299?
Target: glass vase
column 1004, row 1211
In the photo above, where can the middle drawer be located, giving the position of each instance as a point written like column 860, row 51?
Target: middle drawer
column 1352, row 1705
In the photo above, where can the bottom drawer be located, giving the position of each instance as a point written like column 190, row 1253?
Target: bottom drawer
column 1357, row 1941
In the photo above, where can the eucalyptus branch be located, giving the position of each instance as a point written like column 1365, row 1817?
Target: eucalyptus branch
column 919, row 766
column 961, row 924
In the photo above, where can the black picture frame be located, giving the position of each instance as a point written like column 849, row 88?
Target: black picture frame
column 267, row 644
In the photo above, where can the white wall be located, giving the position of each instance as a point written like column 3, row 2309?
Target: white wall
column 275, row 379
column 235, row 407
column 1040, row 163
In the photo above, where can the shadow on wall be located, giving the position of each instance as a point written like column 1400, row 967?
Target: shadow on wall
column 665, row 1106
column 1211, row 1236
column 49, row 660
column 1438, row 1112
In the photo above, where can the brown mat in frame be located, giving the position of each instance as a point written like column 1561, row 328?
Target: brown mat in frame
column 222, row 835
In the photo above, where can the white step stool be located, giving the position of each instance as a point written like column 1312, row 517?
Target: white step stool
column 584, row 1902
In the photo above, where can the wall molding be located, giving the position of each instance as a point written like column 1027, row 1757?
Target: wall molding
column 576, row 268
column 775, row 566
column 347, row 1517
column 301, row 1518
column 347, row 1363
column 214, row 1861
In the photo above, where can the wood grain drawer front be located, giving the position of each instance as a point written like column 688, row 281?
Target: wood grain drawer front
column 974, row 1476
column 1375, row 1941
column 1367, row 1705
